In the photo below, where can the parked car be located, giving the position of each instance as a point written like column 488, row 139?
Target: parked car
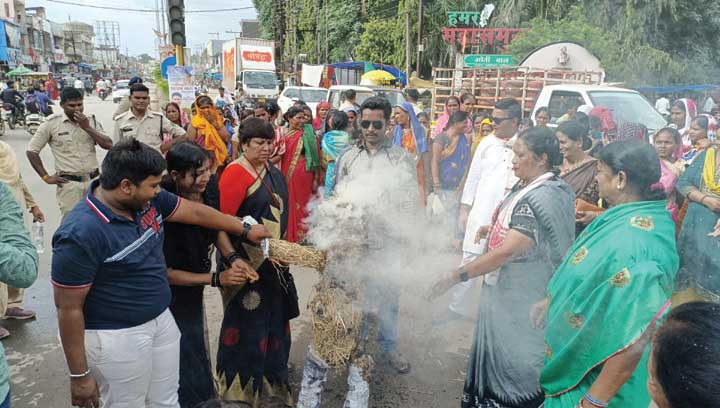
column 393, row 95
column 121, row 90
column 310, row 95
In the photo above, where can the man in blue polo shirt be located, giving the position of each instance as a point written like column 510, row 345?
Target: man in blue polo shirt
column 110, row 282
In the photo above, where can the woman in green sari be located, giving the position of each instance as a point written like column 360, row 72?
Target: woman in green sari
column 613, row 285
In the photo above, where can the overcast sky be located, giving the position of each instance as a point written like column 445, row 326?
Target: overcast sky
column 136, row 27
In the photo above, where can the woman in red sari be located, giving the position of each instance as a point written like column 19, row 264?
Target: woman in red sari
column 301, row 166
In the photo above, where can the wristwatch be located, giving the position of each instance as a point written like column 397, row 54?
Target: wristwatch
column 463, row 274
column 246, row 230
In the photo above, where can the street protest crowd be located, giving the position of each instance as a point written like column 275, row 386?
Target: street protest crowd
column 591, row 247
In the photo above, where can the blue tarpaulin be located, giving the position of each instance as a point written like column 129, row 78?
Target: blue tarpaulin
column 678, row 88
column 361, row 65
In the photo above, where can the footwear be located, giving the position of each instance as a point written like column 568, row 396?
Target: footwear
column 4, row 333
column 398, row 362
column 19, row 313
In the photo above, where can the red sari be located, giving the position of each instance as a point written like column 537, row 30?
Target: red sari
column 299, row 182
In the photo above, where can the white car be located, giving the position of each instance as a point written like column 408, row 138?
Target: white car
column 121, row 90
column 310, row 95
column 362, row 92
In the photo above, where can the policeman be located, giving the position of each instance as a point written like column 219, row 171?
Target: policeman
column 72, row 137
column 143, row 124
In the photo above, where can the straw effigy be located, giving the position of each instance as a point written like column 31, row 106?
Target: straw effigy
column 335, row 323
column 289, row 253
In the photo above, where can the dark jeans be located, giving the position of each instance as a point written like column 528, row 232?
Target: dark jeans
column 6, row 402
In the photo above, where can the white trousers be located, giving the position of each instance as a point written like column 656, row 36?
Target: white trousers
column 137, row 367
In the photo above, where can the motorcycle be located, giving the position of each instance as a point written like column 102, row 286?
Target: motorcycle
column 11, row 118
column 102, row 94
column 33, row 122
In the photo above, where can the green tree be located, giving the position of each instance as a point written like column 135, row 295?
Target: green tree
column 379, row 43
column 624, row 58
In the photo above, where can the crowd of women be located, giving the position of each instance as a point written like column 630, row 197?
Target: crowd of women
column 586, row 189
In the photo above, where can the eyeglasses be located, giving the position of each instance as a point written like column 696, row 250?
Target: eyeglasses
column 377, row 124
column 498, row 121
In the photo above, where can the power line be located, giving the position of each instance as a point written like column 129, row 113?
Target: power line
column 147, row 10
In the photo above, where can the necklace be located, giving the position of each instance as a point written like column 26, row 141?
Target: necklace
column 566, row 171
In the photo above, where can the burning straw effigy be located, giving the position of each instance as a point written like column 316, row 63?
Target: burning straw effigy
column 336, row 321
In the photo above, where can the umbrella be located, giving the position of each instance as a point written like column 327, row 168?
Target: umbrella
column 378, row 76
column 18, row 71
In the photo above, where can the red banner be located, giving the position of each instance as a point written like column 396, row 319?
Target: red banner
column 257, row 56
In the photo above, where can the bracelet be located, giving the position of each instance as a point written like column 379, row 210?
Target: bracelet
column 85, row 374
column 703, row 199
column 595, row 402
column 46, row 177
column 228, row 260
column 215, row 280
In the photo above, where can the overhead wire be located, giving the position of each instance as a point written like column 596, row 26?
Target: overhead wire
column 137, row 10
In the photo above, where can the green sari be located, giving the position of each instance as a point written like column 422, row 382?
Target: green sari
column 615, row 283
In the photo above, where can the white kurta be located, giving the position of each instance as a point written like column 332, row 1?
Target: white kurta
column 489, row 179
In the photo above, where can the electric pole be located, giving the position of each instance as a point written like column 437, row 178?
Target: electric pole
column 419, row 41
column 407, row 42
column 317, row 31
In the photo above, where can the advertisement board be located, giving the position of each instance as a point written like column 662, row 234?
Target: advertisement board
column 181, row 85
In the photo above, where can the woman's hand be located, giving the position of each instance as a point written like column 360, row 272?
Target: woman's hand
column 482, row 233
column 713, row 203
column 37, row 214
column 538, row 314
column 441, row 286
column 585, row 217
column 232, row 277
column 463, row 217
column 211, row 118
column 240, row 266
column 716, row 230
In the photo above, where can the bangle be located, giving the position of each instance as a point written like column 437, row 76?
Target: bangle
column 85, row 374
column 46, row 177
column 215, row 280
column 232, row 256
column 595, row 402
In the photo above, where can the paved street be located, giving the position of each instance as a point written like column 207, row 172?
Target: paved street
column 38, row 370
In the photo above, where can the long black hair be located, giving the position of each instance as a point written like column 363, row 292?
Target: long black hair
column 187, row 157
column 639, row 161
column 457, row 117
column 686, row 353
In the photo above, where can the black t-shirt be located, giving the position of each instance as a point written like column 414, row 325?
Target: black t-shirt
column 11, row 95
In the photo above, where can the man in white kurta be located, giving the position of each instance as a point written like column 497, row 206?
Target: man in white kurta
column 489, row 179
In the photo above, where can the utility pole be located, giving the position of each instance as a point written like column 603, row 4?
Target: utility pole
column 419, row 42
column 237, row 33
column 279, row 15
column 317, row 31
column 407, row 42
column 327, row 35
column 157, row 25
column 162, row 18
column 217, row 34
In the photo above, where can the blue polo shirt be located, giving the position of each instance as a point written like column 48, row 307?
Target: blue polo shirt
column 121, row 261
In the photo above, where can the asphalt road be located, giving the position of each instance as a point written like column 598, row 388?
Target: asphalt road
column 37, row 364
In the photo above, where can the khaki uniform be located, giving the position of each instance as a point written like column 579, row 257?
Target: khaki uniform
column 75, row 156
column 149, row 129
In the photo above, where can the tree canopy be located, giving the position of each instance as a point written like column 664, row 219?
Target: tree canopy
column 638, row 41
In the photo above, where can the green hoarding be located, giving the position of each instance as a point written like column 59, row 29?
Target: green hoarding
column 488, row 61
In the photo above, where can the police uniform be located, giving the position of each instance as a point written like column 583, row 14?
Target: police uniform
column 75, row 156
column 149, row 129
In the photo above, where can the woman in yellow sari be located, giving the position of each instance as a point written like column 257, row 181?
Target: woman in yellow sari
column 207, row 128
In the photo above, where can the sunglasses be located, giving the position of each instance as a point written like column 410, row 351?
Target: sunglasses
column 377, row 124
column 498, row 121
